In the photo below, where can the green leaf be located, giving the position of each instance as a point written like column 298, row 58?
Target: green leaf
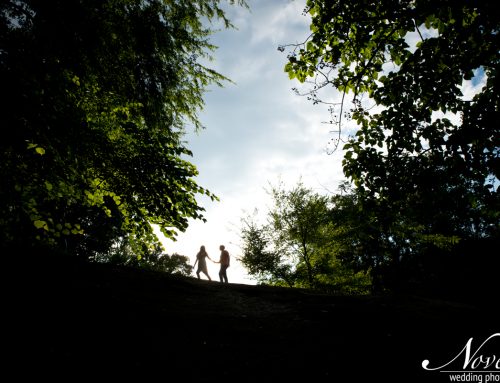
column 39, row 224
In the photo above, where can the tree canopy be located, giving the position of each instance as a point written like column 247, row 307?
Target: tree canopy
column 425, row 154
column 96, row 97
column 299, row 245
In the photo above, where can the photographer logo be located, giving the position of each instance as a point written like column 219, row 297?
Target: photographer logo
column 470, row 364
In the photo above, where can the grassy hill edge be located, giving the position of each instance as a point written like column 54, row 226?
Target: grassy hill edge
column 66, row 316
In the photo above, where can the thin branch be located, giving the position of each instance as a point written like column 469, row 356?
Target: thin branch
column 281, row 48
column 418, row 30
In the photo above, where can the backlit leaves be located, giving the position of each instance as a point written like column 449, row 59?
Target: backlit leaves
column 98, row 97
column 424, row 155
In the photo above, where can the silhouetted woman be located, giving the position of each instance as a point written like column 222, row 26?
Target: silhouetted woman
column 202, row 262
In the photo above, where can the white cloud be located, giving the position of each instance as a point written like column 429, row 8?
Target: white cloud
column 279, row 25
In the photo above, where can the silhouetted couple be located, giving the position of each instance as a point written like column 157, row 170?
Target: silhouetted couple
column 202, row 263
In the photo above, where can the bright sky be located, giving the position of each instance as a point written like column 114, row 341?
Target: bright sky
column 257, row 131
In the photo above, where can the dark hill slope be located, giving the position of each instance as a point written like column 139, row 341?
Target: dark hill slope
column 72, row 320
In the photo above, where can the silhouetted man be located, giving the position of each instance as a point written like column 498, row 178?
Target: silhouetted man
column 224, row 263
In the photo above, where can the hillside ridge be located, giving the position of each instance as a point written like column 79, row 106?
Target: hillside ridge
column 70, row 316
